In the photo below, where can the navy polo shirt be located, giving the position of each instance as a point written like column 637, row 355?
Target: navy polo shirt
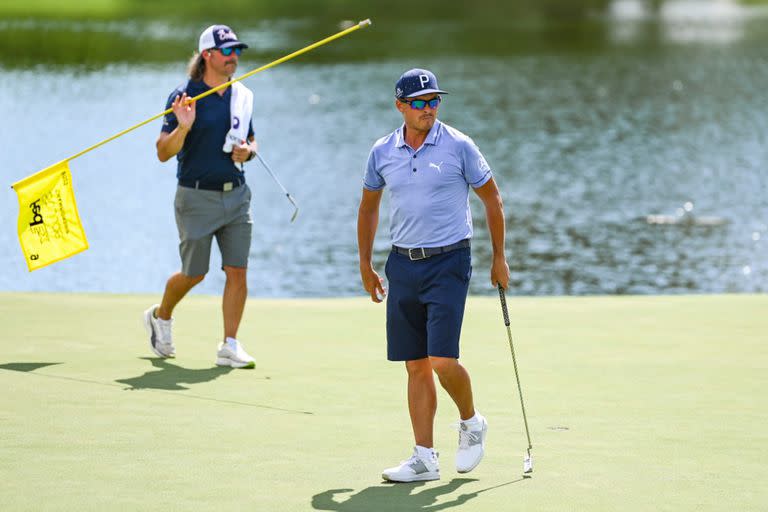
column 202, row 158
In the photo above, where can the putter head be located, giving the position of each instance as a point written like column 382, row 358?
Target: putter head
column 295, row 207
column 527, row 464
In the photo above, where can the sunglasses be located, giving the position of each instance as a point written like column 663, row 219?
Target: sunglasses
column 229, row 51
column 421, row 104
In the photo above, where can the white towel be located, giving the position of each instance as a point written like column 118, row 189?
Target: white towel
column 241, row 107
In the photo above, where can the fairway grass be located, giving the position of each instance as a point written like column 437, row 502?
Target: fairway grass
column 634, row 404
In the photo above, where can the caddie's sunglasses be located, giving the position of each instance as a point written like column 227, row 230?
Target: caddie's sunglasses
column 421, row 104
column 228, row 51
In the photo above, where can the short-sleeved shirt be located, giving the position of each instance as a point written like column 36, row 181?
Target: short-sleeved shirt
column 429, row 187
column 202, row 157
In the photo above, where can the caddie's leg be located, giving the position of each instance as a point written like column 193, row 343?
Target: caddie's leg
column 233, row 302
column 175, row 289
column 157, row 318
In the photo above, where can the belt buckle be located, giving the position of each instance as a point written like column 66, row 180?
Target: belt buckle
column 227, row 186
column 415, row 256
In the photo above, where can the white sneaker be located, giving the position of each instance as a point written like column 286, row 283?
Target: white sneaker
column 159, row 331
column 234, row 355
column 471, row 443
column 415, row 469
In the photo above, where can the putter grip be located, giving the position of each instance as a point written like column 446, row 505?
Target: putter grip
column 503, row 300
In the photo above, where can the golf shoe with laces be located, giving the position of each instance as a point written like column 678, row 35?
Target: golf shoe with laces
column 159, row 331
column 416, row 469
column 231, row 353
column 471, row 443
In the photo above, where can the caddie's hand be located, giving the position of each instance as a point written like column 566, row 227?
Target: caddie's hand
column 185, row 113
column 500, row 272
column 241, row 153
column 373, row 284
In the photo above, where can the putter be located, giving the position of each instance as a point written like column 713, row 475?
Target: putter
column 295, row 206
column 527, row 459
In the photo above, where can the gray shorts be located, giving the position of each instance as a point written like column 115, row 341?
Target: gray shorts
column 201, row 214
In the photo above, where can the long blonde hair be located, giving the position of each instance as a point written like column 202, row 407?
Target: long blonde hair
column 196, row 67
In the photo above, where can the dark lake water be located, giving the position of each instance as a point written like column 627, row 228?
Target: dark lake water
column 591, row 125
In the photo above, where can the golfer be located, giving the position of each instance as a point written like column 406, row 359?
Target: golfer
column 211, row 138
column 428, row 168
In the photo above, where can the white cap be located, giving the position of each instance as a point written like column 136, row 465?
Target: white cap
column 219, row 36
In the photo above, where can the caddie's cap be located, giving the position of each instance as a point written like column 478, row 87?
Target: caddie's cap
column 219, row 36
column 416, row 82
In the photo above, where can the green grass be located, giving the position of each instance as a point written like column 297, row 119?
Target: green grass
column 634, row 403
column 176, row 9
column 64, row 9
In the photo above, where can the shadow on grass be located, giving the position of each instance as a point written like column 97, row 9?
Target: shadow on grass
column 164, row 380
column 25, row 367
column 391, row 497
column 170, row 377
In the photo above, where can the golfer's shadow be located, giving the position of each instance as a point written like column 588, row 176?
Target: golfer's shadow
column 392, row 497
column 171, row 377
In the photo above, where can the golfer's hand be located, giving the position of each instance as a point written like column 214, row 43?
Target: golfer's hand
column 185, row 114
column 500, row 272
column 373, row 284
column 241, row 153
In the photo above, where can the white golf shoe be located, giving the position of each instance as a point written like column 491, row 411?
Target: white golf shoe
column 415, row 469
column 231, row 353
column 471, row 443
column 159, row 331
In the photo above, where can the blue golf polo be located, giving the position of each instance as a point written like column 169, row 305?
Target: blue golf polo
column 429, row 187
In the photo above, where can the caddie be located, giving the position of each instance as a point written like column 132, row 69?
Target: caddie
column 211, row 139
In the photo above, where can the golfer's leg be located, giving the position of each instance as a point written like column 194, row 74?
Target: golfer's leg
column 233, row 302
column 455, row 380
column 175, row 289
column 422, row 400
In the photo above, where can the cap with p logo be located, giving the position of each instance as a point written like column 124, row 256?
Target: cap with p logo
column 416, row 82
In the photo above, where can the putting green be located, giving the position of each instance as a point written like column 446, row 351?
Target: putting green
column 634, row 403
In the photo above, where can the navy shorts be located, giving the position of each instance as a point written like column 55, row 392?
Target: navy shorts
column 425, row 304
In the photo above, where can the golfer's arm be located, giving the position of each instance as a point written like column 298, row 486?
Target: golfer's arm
column 169, row 144
column 367, row 222
column 494, row 213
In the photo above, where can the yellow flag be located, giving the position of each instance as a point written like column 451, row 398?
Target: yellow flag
column 49, row 225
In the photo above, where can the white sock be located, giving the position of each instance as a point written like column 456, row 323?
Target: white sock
column 232, row 342
column 473, row 419
column 425, row 453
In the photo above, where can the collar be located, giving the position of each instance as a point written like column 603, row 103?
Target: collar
column 432, row 136
column 199, row 87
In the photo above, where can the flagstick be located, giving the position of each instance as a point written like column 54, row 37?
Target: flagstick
column 349, row 30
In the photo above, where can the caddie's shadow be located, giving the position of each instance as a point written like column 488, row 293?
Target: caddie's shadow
column 25, row 367
column 393, row 497
column 171, row 377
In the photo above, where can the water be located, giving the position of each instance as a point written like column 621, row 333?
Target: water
column 644, row 115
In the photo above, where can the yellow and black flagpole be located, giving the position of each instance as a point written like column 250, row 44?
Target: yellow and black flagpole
column 49, row 225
